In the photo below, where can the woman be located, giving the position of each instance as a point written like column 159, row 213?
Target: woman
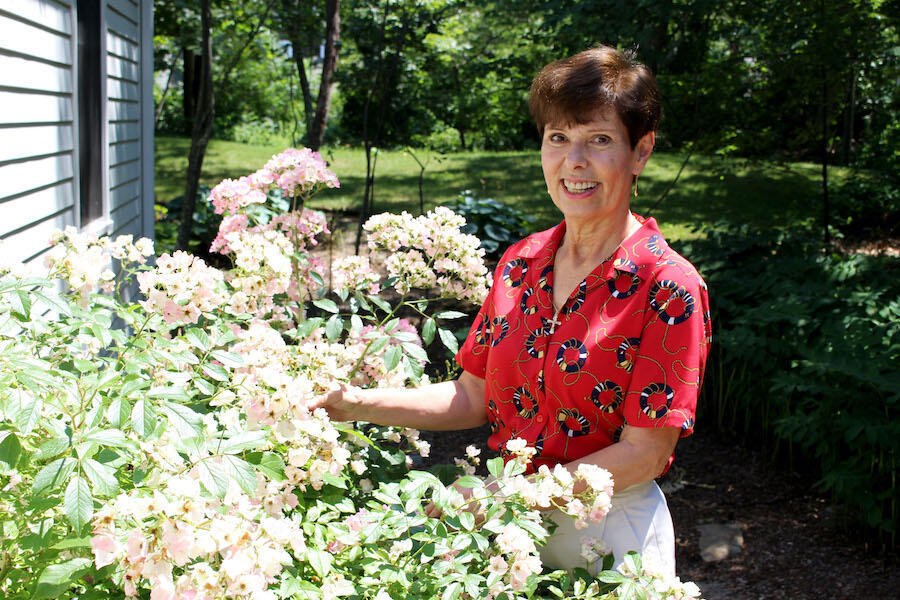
column 592, row 343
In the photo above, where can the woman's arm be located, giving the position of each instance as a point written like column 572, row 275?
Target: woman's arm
column 450, row 405
column 639, row 456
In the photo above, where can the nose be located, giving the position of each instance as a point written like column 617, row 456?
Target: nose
column 575, row 157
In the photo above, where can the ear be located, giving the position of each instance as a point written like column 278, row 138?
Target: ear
column 642, row 151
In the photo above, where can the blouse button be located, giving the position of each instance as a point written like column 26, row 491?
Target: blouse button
column 540, row 418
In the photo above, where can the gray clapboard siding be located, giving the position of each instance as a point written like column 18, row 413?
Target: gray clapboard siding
column 122, row 47
column 123, row 26
column 39, row 121
column 124, row 131
column 124, row 193
column 48, row 201
column 27, row 142
column 51, row 14
column 24, row 74
column 123, row 110
column 29, row 244
column 21, row 107
column 122, row 68
column 23, row 177
column 124, row 173
column 29, row 39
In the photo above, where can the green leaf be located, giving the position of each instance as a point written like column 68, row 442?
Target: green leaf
column 320, row 561
column 53, row 302
column 333, row 327
column 307, row 327
column 452, row 591
column 78, row 503
column 111, row 437
column 216, row 372
column 68, row 543
column 51, row 448
column 53, row 475
column 241, row 471
column 143, row 418
column 198, row 338
column 229, row 359
column 118, row 412
column 428, row 330
column 450, row 314
column 327, row 305
column 495, row 466
column 467, row 520
column 356, row 324
column 21, row 302
column 26, row 411
column 185, row 421
column 449, row 340
column 380, row 303
column 470, row 481
column 268, row 463
column 56, row 579
column 205, row 387
column 245, row 440
column 379, row 344
column 10, row 450
column 392, row 357
column 416, row 351
column 213, row 477
column 102, row 477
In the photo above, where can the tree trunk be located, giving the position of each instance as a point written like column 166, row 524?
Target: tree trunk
column 201, row 131
column 323, row 102
column 192, row 70
column 295, row 38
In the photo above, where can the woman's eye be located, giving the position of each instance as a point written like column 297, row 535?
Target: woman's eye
column 556, row 138
column 601, row 139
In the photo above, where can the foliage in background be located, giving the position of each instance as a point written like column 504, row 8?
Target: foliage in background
column 497, row 225
column 805, row 361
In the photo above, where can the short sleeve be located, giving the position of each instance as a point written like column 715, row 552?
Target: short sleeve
column 473, row 354
column 671, row 356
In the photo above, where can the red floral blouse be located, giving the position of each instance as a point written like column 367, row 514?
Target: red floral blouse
column 628, row 347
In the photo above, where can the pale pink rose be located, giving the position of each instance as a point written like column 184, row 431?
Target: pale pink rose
column 497, row 565
column 136, row 547
column 106, row 549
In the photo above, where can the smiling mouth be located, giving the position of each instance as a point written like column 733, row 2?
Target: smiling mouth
column 578, row 187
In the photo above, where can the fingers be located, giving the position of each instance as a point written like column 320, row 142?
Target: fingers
column 329, row 399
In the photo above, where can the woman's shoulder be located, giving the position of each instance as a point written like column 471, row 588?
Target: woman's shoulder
column 661, row 261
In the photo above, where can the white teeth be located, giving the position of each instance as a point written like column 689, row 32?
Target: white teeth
column 579, row 186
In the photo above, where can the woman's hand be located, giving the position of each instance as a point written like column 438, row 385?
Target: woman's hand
column 344, row 403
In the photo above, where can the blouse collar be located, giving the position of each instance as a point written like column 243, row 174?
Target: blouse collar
column 641, row 249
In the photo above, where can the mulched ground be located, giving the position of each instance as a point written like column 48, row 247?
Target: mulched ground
column 792, row 548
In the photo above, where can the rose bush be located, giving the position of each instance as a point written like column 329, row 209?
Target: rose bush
column 163, row 449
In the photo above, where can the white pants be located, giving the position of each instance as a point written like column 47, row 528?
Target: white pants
column 638, row 520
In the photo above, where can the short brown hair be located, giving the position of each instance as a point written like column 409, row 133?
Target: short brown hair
column 572, row 90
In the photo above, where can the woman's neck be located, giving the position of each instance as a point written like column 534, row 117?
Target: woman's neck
column 592, row 243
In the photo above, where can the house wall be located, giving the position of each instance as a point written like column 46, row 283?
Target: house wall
column 39, row 122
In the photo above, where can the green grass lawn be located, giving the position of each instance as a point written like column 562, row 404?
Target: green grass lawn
column 709, row 190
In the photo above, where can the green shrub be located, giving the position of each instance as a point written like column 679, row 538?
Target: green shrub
column 496, row 224
column 806, row 353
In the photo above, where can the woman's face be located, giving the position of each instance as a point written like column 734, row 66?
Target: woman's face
column 589, row 167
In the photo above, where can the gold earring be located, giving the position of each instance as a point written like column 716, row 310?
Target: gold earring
column 635, row 186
